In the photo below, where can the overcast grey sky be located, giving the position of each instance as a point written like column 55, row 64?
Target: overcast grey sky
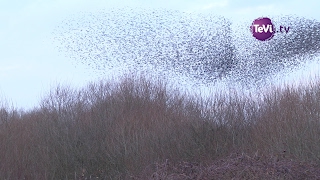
column 30, row 65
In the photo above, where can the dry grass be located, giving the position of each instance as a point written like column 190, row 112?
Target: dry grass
column 127, row 129
column 237, row 166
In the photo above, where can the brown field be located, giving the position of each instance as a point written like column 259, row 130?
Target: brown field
column 142, row 129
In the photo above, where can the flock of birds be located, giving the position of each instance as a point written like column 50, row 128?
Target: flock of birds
column 201, row 47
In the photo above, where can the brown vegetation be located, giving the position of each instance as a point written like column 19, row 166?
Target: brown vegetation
column 139, row 129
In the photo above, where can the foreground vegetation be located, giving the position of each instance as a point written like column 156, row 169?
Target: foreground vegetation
column 141, row 129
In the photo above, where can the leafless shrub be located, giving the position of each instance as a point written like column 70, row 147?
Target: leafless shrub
column 123, row 130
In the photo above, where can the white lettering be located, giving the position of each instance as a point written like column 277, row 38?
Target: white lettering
column 266, row 28
column 263, row 28
column 256, row 27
